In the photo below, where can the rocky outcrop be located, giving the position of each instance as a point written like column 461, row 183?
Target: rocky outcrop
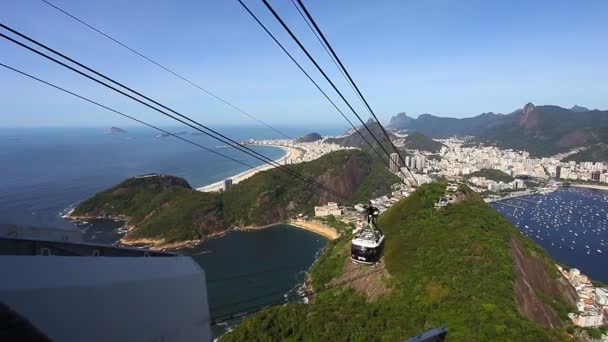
column 527, row 119
column 533, row 281
column 344, row 180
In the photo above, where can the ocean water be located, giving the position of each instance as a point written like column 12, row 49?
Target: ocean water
column 571, row 224
column 45, row 172
column 249, row 269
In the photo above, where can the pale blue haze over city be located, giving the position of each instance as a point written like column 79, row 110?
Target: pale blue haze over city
column 449, row 58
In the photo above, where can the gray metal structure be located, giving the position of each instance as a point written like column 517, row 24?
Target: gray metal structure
column 72, row 291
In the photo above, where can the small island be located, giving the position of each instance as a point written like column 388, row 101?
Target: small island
column 116, row 130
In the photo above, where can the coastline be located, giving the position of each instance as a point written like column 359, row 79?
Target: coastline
column 291, row 153
column 591, row 186
column 518, row 194
column 160, row 244
column 315, row 227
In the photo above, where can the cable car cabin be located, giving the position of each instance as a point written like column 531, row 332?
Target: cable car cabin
column 367, row 245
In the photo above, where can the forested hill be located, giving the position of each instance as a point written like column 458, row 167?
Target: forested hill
column 164, row 210
column 310, row 137
column 419, row 141
column 491, row 174
column 464, row 266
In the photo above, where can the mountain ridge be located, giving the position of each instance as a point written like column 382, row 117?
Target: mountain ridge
column 541, row 130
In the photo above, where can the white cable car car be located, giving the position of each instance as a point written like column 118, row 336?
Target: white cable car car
column 368, row 243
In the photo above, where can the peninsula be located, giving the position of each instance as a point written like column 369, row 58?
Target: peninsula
column 165, row 212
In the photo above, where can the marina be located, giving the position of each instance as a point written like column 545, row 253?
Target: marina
column 570, row 223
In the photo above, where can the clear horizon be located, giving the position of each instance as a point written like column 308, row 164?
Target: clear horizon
column 447, row 59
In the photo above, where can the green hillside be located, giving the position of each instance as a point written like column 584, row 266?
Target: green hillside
column 165, row 209
column 419, row 141
column 495, row 175
column 453, row 266
column 594, row 153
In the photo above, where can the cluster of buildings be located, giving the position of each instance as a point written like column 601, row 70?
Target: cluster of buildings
column 331, row 208
column 491, row 185
column 448, row 197
column 592, row 305
column 416, row 162
column 458, row 159
column 585, row 171
column 398, row 191
column 309, row 151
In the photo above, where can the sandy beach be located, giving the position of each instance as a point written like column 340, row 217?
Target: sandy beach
column 316, row 227
column 291, row 153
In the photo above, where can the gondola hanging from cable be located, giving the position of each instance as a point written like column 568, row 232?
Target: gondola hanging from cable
column 368, row 243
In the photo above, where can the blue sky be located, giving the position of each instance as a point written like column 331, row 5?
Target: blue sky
column 449, row 58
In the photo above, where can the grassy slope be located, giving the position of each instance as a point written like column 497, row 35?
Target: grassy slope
column 450, row 267
column 180, row 214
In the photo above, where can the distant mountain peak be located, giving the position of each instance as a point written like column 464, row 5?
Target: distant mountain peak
column 400, row 121
column 529, row 107
column 579, row 109
column 527, row 119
